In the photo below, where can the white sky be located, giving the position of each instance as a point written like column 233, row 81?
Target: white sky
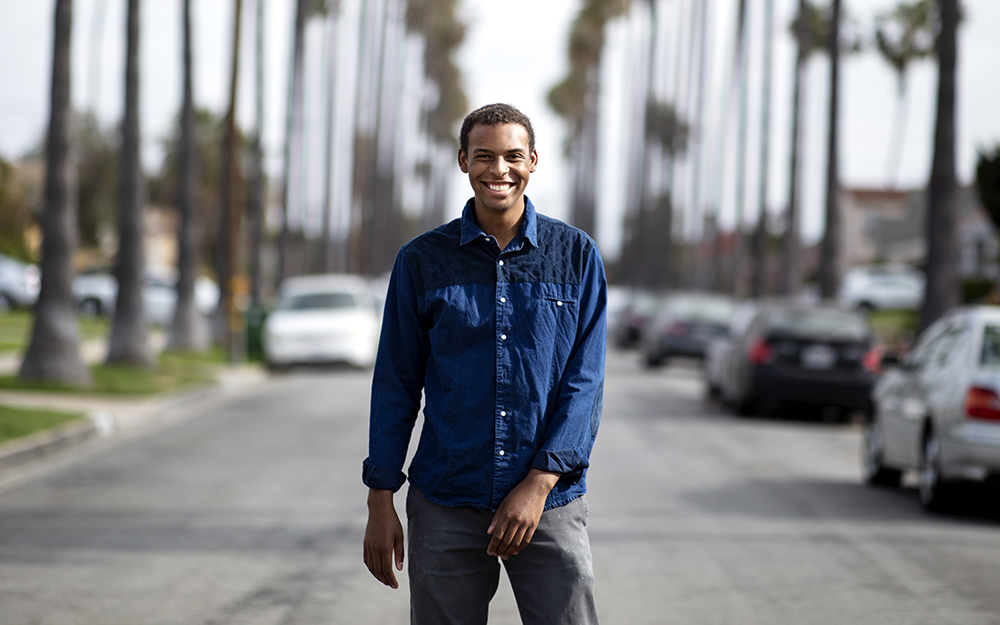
column 514, row 52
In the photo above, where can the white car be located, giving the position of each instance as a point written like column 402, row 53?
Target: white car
column 96, row 292
column 938, row 412
column 885, row 287
column 322, row 319
column 19, row 283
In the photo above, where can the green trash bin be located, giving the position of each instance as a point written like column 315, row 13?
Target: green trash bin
column 255, row 316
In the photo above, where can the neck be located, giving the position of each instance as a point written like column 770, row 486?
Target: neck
column 503, row 226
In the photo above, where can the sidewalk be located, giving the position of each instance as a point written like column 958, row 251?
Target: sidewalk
column 106, row 415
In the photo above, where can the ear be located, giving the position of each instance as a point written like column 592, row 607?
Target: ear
column 463, row 162
column 533, row 161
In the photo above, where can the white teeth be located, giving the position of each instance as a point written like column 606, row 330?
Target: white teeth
column 498, row 187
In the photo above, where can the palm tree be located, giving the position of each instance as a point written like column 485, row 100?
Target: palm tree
column 326, row 251
column 293, row 133
column 188, row 331
column 258, row 187
column 229, row 211
column 54, row 351
column 904, row 35
column 941, row 269
column 129, row 343
column 829, row 256
column 758, row 282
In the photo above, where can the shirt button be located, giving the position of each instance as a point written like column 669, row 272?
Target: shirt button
column 503, row 337
column 503, row 300
column 558, row 303
column 501, row 263
column 503, row 413
column 501, row 452
column 488, row 239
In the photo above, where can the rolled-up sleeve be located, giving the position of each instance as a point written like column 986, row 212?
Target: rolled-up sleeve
column 572, row 428
column 397, row 382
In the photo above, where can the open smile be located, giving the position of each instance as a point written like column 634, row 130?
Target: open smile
column 499, row 187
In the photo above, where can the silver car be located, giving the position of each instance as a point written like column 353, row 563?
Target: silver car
column 938, row 412
column 19, row 283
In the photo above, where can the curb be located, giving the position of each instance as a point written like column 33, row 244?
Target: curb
column 103, row 422
column 46, row 442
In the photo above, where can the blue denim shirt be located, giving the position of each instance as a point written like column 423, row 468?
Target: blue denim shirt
column 508, row 349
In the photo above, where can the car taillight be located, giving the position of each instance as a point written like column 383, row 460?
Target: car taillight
column 982, row 403
column 872, row 360
column 760, row 352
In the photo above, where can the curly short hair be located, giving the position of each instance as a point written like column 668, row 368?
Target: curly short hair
column 495, row 115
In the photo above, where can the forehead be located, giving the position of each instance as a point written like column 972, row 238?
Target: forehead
column 498, row 138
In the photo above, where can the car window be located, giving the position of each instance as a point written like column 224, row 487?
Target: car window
column 818, row 323
column 989, row 355
column 927, row 345
column 316, row 301
column 949, row 345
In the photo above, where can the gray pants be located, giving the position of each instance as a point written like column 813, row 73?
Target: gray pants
column 453, row 579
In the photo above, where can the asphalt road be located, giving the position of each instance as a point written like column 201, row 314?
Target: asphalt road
column 251, row 511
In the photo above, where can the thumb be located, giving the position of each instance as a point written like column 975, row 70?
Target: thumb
column 399, row 554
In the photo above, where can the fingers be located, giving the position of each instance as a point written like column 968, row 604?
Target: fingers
column 510, row 537
column 379, row 563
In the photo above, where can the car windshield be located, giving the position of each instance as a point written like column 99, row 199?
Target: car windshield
column 317, row 301
column 818, row 323
column 990, row 354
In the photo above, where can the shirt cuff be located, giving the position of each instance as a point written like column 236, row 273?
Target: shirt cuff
column 567, row 462
column 381, row 477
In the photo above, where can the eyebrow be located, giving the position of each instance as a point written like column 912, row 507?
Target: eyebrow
column 485, row 151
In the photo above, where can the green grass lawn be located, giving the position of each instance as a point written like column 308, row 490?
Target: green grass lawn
column 894, row 327
column 18, row 422
column 171, row 371
column 15, row 329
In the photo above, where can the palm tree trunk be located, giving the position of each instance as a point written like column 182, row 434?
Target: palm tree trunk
column 942, row 283
column 129, row 341
column 326, row 253
column 230, row 229
column 759, row 281
column 790, row 278
column 54, row 351
column 740, row 252
column 188, row 330
column 258, row 189
column 293, row 136
column 829, row 254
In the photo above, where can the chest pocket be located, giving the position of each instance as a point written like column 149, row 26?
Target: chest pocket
column 552, row 323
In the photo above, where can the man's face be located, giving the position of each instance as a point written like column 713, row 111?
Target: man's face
column 499, row 163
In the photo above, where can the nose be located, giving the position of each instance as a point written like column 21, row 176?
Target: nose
column 500, row 166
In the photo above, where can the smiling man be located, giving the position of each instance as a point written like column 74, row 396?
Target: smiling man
column 498, row 319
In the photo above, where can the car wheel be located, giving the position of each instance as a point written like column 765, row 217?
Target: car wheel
column 90, row 307
column 872, row 451
column 6, row 303
column 653, row 361
column 936, row 493
column 747, row 405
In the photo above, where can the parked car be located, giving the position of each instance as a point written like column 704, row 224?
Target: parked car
column 322, row 319
column 96, row 292
column 19, row 283
column 718, row 349
column 633, row 317
column 794, row 352
column 684, row 324
column 891, row 287
column 939, row 411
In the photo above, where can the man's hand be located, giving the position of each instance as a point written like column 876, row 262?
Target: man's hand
column 383, row 537
column 517, row 517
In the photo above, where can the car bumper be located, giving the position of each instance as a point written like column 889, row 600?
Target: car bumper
column 972, row 451
column 848, row 389
column 319, row 349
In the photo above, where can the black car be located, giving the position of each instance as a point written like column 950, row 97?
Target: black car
column 684, row 325
column 801, row 353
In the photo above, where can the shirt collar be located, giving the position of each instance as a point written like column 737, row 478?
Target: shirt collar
column 529, row 226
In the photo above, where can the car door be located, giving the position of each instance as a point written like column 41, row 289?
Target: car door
column 895, row 400
column 927, row 389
